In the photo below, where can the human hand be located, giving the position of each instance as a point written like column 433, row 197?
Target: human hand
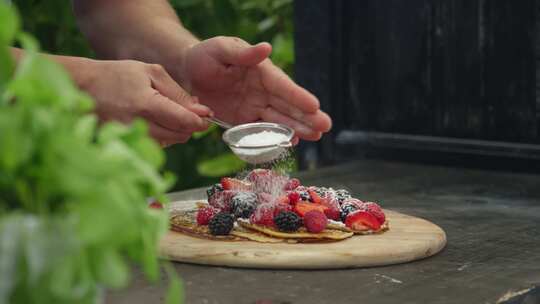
column 127, row 89
column 240, row 84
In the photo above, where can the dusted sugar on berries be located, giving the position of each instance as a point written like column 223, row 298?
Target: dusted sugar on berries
column 221, row 224
column 243, row 204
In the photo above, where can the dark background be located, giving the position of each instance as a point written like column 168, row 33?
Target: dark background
column 427, row 80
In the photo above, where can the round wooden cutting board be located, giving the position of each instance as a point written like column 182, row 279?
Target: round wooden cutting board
column 409, row 238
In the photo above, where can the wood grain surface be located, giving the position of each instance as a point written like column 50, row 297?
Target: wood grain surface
column 409, row 238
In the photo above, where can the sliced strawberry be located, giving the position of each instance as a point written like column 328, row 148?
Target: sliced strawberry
column 362, row 220
column 375, row 210
column 292, row 184
column 229, row 183
column 294, row 197
column 302, row 207
column 155, row 205
column 315, row 198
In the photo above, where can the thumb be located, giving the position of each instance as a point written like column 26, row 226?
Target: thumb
column 235, row 51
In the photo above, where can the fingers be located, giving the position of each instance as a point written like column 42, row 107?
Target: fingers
column 166, row 137
column 164, row 84
column 170, row 115
column 318, row 120
column 301, row 130
column 235, row 51
column 279, row 85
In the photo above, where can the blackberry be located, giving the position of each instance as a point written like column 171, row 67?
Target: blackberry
column 215, row 188
column 304, row 196
column 243, row 204
column 221, row 224
column 287, row 221
column 345, row 209
column 342, row 195
column 321, row 191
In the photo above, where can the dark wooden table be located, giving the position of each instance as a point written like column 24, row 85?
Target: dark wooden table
column 492, row 220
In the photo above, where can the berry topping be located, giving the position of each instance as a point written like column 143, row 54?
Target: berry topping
column 215, row 188
column 315, row 221
column 267, row 181
column 345, row 209
column 243, row 204
column 204, row 215
column 362, row 220
column 301, row 208
column 294, row 197
column 292, row 184
column 263, row 215
column 155, row 205
column 375, row 210
column 221, row 224
column 287, row 221
column 282, row 208
column 222, row 200
column 315, row 197
column 229, row 183
column 333, row 214
column 342, row 195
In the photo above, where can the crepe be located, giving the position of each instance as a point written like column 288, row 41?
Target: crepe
column 185, row 222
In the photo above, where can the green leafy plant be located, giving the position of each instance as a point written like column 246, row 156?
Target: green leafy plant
column 73, row 210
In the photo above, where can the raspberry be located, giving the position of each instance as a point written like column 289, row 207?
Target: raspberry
column 204, row 215
column 375, row 210
column 155, row 205
column 333, row 214
column 222, row 200
column 294, row 197
column 315, row 221
column 287, row 221
column 263, row 215
column 221, row 224
column 243, row 204
column 292, row 184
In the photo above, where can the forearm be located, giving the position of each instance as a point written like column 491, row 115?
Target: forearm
column 148, row 31
column 79, row 68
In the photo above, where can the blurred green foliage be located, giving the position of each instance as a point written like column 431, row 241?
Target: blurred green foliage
column 205, row 157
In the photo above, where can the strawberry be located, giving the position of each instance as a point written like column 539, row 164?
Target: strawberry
column 292, row 184
column 375, row 210
column 222, row 200
column 204, row 215
column 155, row 205
column 229, row 183
column 302, row 207
column 294, row 197
column 362, row 220
column 263, row 180
column 315, row 198
column 263, row 215
column 315, row 221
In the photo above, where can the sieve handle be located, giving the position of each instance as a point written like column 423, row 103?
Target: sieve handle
column 219, row 122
